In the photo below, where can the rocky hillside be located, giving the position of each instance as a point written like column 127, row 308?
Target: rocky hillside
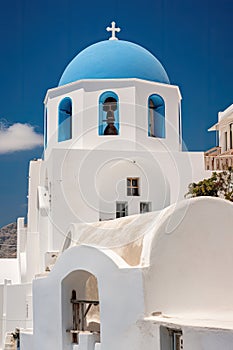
column 8, row 241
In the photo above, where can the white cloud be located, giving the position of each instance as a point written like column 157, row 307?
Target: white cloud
column 18, row 137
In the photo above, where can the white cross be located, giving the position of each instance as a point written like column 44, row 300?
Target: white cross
column 113, row 29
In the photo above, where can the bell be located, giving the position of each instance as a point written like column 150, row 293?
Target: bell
column 110, row 104
column 110, row 129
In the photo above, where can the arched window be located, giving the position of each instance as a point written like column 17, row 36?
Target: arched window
column 156, row 116
column 65, row 119
column 108, row 114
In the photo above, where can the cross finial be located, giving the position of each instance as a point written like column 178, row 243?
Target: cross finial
column 113, row 29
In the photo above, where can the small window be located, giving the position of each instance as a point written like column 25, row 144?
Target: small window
column 108, row 114
column 156, row 116
column 65, row 120
column 121, row 209
column 171, row 339
column 132, row 186
column 145, row 207
column 177, row 340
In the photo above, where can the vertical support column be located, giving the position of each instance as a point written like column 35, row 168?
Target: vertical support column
column 82, row 317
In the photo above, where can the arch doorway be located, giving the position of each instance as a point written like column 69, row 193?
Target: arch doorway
column 80, row 306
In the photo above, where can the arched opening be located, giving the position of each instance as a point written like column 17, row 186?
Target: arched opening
column 108, row 114
column 80, row 307
column 156, row 116
column 65, row 120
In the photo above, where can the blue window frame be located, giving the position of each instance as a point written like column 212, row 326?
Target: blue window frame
column 156, row 116
column 109, row 114
column 65, row 119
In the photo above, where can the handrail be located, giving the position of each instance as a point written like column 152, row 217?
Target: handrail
column 212, row 150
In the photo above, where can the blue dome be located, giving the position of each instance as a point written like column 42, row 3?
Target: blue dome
column 114, row 59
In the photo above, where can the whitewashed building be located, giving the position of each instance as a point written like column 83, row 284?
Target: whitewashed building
column 112, row 256
column 221, row 156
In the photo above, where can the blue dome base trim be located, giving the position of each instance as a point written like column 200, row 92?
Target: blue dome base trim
column 114, row 59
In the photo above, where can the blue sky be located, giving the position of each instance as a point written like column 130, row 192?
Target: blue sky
column 192, row 39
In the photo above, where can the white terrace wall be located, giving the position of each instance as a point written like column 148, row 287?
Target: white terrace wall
column 16, row 307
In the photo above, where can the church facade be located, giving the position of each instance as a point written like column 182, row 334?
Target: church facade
column 112, row 256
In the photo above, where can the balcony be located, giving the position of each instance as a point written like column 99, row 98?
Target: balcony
column 217, row 160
